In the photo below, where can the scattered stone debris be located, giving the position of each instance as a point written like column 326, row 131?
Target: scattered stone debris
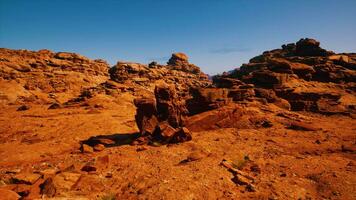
column 240, row 177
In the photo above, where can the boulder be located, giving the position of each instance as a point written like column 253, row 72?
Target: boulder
column 146, row 115
column 9, row 194
column 165, row 130
column 179, row 61
column 99, row 147
column 310, row 47
column 86, row 148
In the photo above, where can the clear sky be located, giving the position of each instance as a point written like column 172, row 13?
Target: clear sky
column 218, row 35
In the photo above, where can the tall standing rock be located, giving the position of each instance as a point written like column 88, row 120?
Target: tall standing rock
column 168, row 105
column 161, row 119
column 146, row 115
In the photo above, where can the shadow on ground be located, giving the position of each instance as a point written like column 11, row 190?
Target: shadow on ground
column 113, row 140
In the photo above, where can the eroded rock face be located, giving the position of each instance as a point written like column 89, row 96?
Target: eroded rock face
column 161, row 118
column 146, row 115
column 170, row 108
column 204, row 99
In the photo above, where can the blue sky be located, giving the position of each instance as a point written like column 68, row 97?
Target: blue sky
column 218, row 35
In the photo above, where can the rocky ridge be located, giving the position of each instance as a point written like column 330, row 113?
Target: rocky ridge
column 303, row 75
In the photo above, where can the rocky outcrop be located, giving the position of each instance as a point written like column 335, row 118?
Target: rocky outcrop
column 310, row 47
column 179, row 73
column 48, row 77
column 308, row 77
column 45, row 76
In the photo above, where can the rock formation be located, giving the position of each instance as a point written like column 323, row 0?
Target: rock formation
column 308, row 77
column 45, row 76
column 161, row 118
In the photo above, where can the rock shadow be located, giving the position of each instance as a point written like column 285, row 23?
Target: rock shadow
column 117, row 139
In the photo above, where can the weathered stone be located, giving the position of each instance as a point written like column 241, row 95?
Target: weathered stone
column 88, row 168
column 49, row 172
column 179, row 61
column 26, row 178
column 310, row 47
column 166, row 131
column 65, row 180
column 339, row 58
column 281, row 65
column 182, row 135
column 241, row 94
column 54, row 106
column 269, row 79
column 99, row 147
column 146, row 115
column 223, row 82
column 23, row 108
column 105, row 141
column 204, row 99
column 124, row 71
column 86, row 149
column 168, row 106
column 303, row 126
